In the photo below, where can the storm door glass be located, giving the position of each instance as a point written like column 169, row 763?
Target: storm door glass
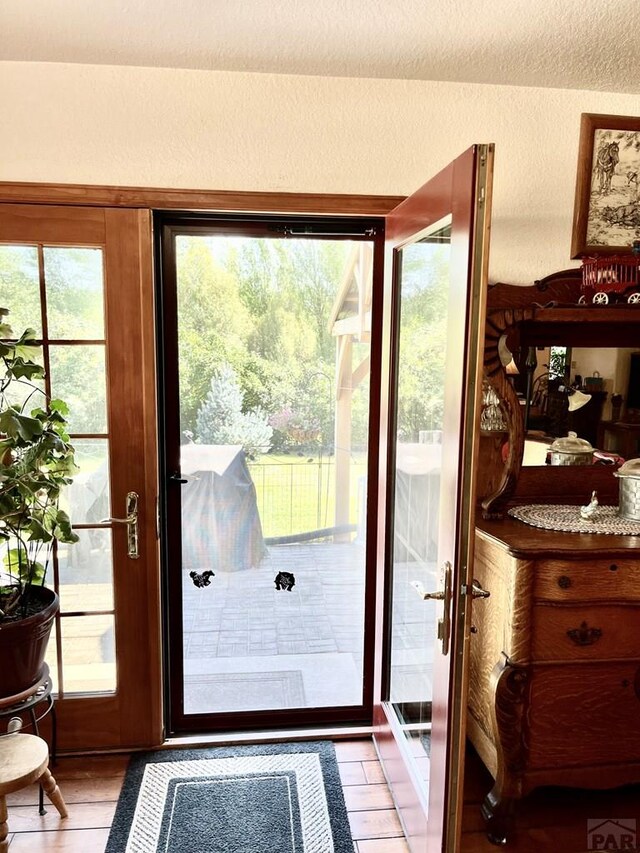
column 273, row 350
column 423, row 295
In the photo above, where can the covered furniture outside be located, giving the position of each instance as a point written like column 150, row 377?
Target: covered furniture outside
column 221, row 528
column 417, row 487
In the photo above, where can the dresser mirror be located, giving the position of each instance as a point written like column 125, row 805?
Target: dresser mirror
column 581, row 389
column 554, row 366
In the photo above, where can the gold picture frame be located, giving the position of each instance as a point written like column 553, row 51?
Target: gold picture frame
column 606, row 217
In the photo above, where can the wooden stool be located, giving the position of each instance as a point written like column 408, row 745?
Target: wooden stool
column 24, row 759
column 26, row 702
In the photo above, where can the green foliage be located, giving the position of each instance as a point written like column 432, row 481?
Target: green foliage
column 423, row 339
column 213, row 323
column 220, row 419
column 558, row 365
column 36, row 463
column 308, row 484
column 262, row 306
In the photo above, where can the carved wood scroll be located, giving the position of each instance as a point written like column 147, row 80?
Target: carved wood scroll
column 500, row 323
column 508, row 306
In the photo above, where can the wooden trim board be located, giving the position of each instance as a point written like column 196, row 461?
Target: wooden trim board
column 192, row 199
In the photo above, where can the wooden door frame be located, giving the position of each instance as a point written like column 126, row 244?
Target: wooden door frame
column 389, row 738
column 170, row 225
column 221, row 201
column 15, row 194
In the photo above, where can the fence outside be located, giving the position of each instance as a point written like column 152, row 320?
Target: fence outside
column 299, row 496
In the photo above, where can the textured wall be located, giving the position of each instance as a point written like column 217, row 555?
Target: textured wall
column 237, row 131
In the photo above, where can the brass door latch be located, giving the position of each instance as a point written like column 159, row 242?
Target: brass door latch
column 131, row 520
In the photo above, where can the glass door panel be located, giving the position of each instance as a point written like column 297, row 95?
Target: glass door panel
column 434, row 307
column 64, row 290
column 20, row 275
column 273, row 379
column 423, row 290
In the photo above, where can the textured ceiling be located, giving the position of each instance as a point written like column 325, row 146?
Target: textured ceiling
column 575, row 44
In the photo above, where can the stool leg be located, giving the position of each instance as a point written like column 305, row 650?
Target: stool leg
column 34, row 724
column 4, row 829
column 54, row 731
column 53, row 792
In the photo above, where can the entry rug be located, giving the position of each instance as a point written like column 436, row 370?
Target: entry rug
column 268, row 798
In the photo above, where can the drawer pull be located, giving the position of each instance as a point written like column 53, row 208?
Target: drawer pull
column 564, row 582
column 584, row 635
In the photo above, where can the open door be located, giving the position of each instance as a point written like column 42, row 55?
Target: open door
column 435, row 283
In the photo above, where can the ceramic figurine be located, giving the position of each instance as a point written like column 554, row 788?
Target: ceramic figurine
column 591, row 508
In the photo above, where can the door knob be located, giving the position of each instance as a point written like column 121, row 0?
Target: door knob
column 475, row 590
column 131, row 521
column 426, row 596
column 444, row 595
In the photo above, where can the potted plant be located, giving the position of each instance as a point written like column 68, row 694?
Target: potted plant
column 36, row 463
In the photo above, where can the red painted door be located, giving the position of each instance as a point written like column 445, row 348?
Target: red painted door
column 435, row 281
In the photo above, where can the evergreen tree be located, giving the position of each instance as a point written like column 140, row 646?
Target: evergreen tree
column 220, row 419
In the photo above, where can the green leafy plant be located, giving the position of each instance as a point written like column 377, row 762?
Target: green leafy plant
column 36, row 463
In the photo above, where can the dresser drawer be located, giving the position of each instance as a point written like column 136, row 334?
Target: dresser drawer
column 584, row 715
column 587, row 580
column 564, row 633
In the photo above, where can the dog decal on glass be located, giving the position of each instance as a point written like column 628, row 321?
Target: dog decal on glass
column 285, row 580
column 201, row 580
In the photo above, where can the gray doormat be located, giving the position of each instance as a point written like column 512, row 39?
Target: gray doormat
column 269, row 798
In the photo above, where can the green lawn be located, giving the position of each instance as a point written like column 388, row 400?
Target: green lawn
column 297, row 493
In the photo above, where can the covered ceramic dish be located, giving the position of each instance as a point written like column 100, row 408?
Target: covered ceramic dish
column 629, row 476
column 571, row 450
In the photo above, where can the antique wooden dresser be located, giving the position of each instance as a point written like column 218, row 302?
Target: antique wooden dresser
column 555, row 661
column 555, row 650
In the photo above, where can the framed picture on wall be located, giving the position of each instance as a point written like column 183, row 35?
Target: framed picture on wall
column 606, row 218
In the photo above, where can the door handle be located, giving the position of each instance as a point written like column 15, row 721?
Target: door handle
column 475, row 590
column 176, row 478
column 131, row 521
column 444, row 595
column 427, row 596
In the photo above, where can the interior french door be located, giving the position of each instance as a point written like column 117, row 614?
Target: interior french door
column 81, row 277
column 435, row 279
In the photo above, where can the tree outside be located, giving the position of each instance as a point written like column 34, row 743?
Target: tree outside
column 220, row 419
column 253, row 337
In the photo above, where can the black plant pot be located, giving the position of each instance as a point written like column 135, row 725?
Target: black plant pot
column 23, row 644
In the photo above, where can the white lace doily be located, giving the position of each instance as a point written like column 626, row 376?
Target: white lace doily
column 568, row 519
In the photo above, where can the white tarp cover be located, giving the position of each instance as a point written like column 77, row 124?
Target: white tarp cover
column 221, row 527
column 417, row 501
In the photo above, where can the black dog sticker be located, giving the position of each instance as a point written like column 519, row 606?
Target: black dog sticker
column 201, row 580
column 285, row 580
